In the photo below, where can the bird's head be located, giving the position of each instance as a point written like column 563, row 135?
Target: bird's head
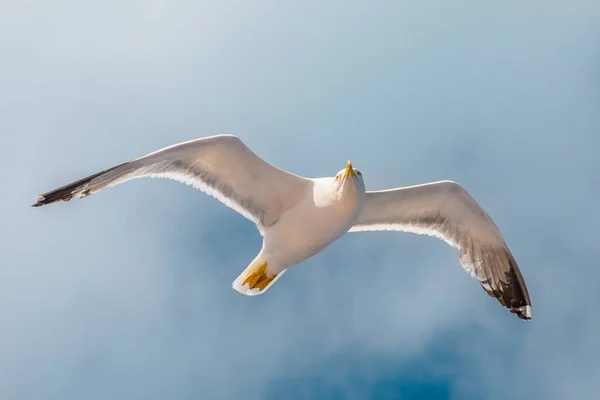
column 349, row 178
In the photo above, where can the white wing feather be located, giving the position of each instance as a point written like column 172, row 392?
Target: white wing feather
column 221, row 166
column 445, row 210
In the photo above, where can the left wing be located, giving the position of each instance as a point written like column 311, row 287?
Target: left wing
column 447, row 211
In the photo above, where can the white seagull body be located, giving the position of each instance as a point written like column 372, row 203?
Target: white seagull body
column 298, row 217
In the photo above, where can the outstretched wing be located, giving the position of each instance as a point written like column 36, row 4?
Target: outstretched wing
column 447, row 211
column 221, row 166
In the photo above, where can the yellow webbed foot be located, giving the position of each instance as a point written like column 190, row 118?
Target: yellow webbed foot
column 258, row 278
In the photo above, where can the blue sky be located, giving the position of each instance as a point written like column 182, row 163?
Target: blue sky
column 127, row 294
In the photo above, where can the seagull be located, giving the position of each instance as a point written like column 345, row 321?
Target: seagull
column 299, row 217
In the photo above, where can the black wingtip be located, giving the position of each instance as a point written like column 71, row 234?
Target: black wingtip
column 61, row 194
column 523, row 313
column 67, row 192
column 520, row 301
column 39, row 202
column 510, row 290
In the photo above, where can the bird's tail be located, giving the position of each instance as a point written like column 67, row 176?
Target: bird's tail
column 256, row 278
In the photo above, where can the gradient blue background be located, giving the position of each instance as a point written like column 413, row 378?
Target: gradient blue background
column 127, row 294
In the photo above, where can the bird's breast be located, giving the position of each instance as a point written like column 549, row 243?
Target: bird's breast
column 309, row 227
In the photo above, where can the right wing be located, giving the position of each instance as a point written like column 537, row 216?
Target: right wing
column 221, row 166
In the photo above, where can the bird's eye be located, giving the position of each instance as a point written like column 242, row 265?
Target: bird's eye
column 358, row 173
column 337, row 178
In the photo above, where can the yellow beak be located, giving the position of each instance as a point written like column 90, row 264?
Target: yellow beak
column 349, row 170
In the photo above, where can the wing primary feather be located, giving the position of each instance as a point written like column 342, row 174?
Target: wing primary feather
column 67, row 192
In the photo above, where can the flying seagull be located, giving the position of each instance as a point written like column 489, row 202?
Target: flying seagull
column 298, row 217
